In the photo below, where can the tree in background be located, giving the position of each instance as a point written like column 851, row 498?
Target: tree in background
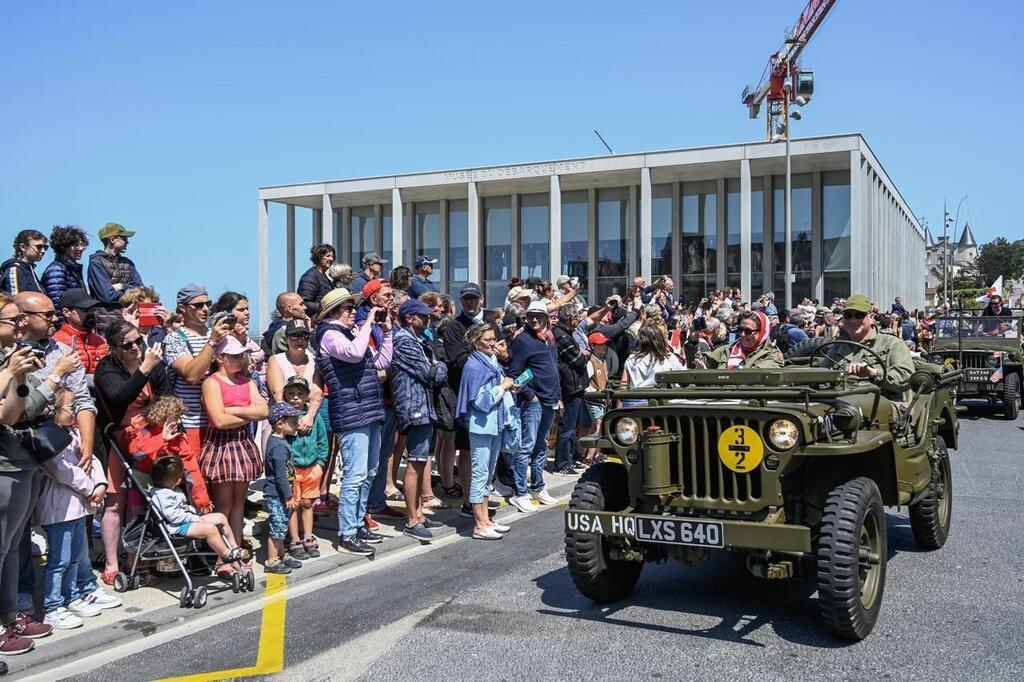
column 1000, row 257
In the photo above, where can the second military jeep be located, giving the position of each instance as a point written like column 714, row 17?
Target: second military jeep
column 989, row 351
column 791, row 466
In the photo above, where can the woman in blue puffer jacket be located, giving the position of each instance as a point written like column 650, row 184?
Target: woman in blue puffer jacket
column 65, row 272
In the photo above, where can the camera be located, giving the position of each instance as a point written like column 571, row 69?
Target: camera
column 37, row 348
column 230, row 319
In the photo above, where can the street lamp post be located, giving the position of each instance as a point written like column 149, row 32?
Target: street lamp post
column 947, row 300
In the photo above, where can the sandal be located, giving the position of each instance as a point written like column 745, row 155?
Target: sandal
column 224, row 571
column 433, row 502
column 108, row 577
column 455, row 490
column 247, row 551
column 396, row 496
column 234, row 555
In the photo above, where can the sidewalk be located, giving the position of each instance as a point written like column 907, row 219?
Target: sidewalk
column 147, row 611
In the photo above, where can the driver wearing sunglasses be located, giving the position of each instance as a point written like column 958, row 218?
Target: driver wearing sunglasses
column 890, row 353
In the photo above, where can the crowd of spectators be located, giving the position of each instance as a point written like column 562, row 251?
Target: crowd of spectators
column 360, row 371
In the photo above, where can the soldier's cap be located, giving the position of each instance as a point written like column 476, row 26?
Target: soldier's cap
column 858, row 303
column 297, row 381
column 111, row 230
column 281, row 411
column 295, row 327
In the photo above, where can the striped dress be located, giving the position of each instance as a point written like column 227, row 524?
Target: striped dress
column 231, row 454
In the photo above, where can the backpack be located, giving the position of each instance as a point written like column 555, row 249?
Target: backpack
column 781, row 334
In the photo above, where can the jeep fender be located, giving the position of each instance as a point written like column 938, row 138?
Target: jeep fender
column 826, row 466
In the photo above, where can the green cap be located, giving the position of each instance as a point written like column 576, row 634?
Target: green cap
column 859, row 303
column 114, row 230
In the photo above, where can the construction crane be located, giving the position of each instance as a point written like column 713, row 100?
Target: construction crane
column 784, row 67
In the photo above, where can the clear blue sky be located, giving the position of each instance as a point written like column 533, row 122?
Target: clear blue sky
column 166, row 117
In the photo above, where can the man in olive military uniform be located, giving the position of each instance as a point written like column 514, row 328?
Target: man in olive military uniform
column 862, row 367
column 753, row 350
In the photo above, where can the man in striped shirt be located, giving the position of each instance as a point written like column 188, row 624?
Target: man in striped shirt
column 188, row 353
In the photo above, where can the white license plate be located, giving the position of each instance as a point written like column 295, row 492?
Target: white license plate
column 979, row 375
column 661, row 529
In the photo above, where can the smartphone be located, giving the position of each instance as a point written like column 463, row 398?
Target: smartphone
column 381, row 317
column 231, row 320
column 524, row 377
column 147, row 318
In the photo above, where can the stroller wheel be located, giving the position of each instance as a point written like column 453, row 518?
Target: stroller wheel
column 236, row 583
column 121, row 583
column 136, row 582
column 185, row 598
column 200, row 597
column 250, row 581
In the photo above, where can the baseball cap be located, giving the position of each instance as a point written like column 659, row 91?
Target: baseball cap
column 297, row 380
column 189, row 292
column 562, row 279
column 423, row 260
column 537, row 307
column 858, row 303
column 229, row 345
column 77, row 299
column 114, row 230
column 372, row 287
column 279, row 411
column 414, row 306
column 517, row 293
column 371, row 258
column 335, row 297
column 597, row 338
column 296, row 327
column 470, row 289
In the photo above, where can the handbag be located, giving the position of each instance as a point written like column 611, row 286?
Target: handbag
column 44, row 439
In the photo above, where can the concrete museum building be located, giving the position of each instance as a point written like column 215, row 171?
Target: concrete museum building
column 710, row 217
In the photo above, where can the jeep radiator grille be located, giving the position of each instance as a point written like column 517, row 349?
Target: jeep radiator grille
column 975, row 360
column 696, row 468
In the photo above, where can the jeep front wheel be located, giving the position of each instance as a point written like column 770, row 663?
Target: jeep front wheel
column 851, row 558
column 930, row 517
column 1011, row 387
column 603, row 487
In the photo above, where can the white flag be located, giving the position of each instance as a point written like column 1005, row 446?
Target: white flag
column 995, row 290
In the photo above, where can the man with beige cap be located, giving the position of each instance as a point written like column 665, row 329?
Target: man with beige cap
column 111, row 274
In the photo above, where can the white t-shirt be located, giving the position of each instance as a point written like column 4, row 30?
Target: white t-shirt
column 640, row 370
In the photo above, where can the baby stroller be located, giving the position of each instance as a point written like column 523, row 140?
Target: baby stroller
column 148, row 539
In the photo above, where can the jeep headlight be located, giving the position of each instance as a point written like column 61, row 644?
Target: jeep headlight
column 936, row 358
column 783, row 434
column 626, row 431
column 993, row 360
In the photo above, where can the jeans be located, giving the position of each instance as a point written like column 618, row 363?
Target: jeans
column 16, row 504
column 60, row 580
column 567, row 425
column 360, row 449
column 377, row 499
column 484, row 451
column 537, row 419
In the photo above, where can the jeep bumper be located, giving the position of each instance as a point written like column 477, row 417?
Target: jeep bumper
column 683, row 530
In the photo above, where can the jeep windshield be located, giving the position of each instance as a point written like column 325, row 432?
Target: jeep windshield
column 977, row 326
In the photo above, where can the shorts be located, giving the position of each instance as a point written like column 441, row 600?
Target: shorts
column 179, row 531
column 417, row 442
column 277, row 524
column 596, row 412
column 307, row 481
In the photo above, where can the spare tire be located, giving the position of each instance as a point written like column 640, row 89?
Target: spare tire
column 804, row 348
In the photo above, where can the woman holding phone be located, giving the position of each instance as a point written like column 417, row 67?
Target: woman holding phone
column 126, row 380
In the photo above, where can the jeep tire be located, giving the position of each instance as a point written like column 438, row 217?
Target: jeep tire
column 1011, row 390
column 851, row 557
column 930, row 517
column 604, row 487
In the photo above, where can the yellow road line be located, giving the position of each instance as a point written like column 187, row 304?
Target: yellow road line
column 270, row 656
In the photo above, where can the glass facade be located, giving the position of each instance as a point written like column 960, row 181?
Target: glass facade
column 699, row 218
column 386, row 252
column 612, row 225
column 364, row 233
column 426, row 238
column 835, row 242
column 801, row 235
column 497, row 224
column 576, row 237
column 733, row 251
column 458, row 244
column 534, row 236
column 661, row 230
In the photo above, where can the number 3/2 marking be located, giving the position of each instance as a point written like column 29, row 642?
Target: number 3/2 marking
column 740, row 449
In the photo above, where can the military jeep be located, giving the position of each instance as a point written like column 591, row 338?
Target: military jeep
column 988, row 350
column 791, row 466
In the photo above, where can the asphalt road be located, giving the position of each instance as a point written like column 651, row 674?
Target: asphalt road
column 508, row 611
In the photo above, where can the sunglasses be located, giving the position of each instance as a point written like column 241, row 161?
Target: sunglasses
column 201, row 304
column 747, row 330
column 128, row 345
column 45, row 314
column 40, row 247
column 850, row 314
column 13, row 321
column 304, row 337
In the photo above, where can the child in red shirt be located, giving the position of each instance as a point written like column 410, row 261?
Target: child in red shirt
column 161, row 435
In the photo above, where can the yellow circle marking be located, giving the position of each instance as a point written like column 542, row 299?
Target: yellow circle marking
column 740, row 449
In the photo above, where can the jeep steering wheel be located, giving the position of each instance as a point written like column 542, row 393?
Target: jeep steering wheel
column 846, row 342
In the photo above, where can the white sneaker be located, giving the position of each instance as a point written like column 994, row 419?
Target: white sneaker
column 523, row 503
column 80, row 607
column 501, row 528
column 502, row 489
column 103, row 599
column 62, row 619
column 544, row 497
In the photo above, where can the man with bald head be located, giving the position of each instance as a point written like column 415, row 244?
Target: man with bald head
column 290, row 306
